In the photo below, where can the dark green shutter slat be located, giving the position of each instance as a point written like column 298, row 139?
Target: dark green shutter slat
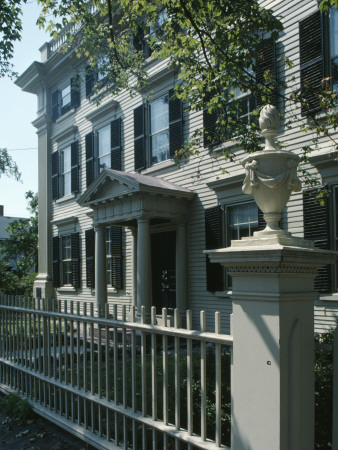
column 267, row 62
column 75, row 184
column 56, row 261
column 139, row 138
column 116, row 149
column 213, row 240
column 116, row 243
column 55, row 175
column 311, row 59
column 89, row 158
column 90, row 257
column 55, row 105
column 75, row 92
column 175, row 124
column 261, row 221
column 75, row 253
column 316, row 228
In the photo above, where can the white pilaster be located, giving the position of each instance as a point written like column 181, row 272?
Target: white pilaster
column 144, row 287
column 181, row 269
column 100, row 269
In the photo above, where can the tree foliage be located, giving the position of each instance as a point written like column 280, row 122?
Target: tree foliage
column 10, row 32
column 22, row 246
column 214, row 47
column 7, row 165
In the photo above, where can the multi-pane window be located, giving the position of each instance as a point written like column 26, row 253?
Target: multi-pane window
column 66, row 170
column 65, row 96
column 109, row 256
column 223, row 224
column 242, row 221
column 246, row 105
column 159, row 129
column 66, row 260
column 104, row 148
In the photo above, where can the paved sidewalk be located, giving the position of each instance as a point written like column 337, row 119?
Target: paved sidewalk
column 36, row 434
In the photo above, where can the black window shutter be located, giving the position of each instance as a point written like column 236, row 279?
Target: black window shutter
column 55, row 105
column 139, row 138
column 267, row 62
column 316, row 228
column 116, row 240
column 140, row 44
column 90, row 257
column 55, row 175
column 75, row 92
column 75, row 252
column 75, row 167
column 213, row 240
column 175, row 123
column 90, row 81
column 210, row 136
column 56, row 261
column 311, row 59
column 115, row 141
column 89, row 158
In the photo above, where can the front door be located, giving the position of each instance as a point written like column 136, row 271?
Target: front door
column 163, row 260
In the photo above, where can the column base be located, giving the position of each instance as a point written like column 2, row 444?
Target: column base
column 43, row 287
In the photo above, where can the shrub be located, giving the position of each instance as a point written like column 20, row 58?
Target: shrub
column 16, row 408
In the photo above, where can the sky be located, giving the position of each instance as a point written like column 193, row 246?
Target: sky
column 18, row 110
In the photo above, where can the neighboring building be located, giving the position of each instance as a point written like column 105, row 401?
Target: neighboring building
column 119, row 221
column 4, row 222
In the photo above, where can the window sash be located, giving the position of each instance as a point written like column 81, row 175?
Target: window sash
column 66, row 167
column 66, row 260
column 159, row 129
column 103, row 144
column 66, row 95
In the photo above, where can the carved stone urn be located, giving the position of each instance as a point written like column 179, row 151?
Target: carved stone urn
column 271, row 176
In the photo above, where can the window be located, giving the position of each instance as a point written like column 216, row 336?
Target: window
column 65, row 171
column 97, row 74
column 158, row 130
column 113, row 255
column 246, row 103
column 223, row 224
column 66, row 98
column 66, row 260
column 103, row 150
column 320, row 226
column 318, row 37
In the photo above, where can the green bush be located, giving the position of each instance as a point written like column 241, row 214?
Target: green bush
column 323, row 390
column 16, row 408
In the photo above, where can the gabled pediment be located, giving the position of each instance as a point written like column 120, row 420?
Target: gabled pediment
column 112, row 184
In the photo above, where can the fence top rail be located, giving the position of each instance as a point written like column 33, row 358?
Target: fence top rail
column 217, row 338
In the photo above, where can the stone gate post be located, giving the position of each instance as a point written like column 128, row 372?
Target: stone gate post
column 272, row 375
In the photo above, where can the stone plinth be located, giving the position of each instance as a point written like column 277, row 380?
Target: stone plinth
column 272, row 378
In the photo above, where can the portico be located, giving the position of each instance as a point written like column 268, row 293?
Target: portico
column 142, row 204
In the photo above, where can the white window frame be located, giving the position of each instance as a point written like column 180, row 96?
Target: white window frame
column 157, row 132
column 66, row 262
column 67, row 96
column 107, row 153
column 66, row 171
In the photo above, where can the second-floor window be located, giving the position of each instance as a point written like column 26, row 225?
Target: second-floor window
column 158, row 130
column 103, row 150
column 65, row 171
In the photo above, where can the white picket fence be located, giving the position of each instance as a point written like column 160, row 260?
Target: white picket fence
column 118, row 383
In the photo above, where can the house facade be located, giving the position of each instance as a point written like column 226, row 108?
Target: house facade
column 121, row 222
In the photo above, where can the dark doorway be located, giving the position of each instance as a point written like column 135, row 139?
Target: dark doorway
column 163, row 260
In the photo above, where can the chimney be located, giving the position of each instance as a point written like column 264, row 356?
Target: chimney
column 1, row 210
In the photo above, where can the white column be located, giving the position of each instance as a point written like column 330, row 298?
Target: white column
column 134, row 252
column 144, row 287
column 181, row 269
column 100, row 269
column 272, row 375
